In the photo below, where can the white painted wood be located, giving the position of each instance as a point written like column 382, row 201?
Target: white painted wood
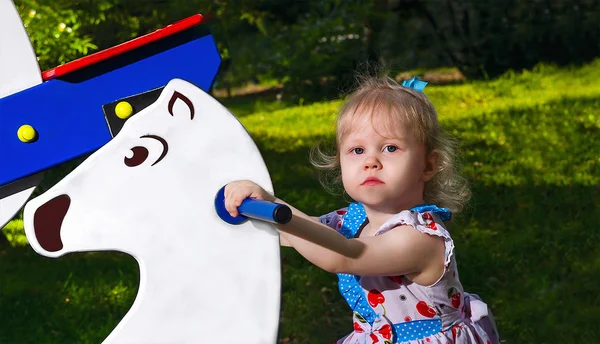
column 19, row 70
column 201, row 279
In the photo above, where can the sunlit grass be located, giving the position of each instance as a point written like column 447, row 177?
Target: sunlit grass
column 527, row 243
column 14, row 232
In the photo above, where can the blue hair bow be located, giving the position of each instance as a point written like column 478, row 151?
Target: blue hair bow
column 415, row 84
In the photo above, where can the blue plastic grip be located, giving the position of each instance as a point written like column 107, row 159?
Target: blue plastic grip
column 253, row 208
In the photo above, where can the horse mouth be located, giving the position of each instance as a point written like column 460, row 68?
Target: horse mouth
column 48, row 220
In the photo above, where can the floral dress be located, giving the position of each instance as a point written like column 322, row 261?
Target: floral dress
column 393, row 309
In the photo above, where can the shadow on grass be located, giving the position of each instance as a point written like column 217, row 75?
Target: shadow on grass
column 78, row 298
column 530, row 251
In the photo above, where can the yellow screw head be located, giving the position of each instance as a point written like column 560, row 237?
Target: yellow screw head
column 123, row 110
column 26, row 133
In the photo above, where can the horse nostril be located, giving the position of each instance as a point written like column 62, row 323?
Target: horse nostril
column 47, row 222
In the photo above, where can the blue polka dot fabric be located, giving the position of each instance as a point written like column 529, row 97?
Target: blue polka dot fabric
column 417, row 329
column 444, row 213
column 348, row 284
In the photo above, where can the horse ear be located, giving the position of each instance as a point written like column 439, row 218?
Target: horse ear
column 176, row 95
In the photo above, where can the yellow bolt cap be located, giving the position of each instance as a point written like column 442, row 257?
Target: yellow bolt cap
column 123, row 110
column 26, row 133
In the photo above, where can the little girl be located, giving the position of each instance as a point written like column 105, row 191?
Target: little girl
column 391, row 250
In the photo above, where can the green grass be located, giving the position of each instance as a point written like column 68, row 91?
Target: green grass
column 527, row 243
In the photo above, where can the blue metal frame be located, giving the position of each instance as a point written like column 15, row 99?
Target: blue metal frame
column 67, row 113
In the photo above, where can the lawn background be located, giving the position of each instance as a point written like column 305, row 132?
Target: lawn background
column 527, row 243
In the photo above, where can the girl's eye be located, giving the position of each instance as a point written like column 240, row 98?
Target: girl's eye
column 390, row 148
column 358, row 150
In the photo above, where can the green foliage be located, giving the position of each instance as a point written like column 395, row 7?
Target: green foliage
column 313, row 48
column 526, row 243
column 300, row 44
column 55, row 31
column 485, row 38
column 324, row 42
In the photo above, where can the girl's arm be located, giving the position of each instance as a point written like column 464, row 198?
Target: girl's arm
column 284, row 236
column 401, row 251
column 283, row 241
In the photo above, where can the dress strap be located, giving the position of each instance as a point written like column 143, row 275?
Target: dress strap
column 348, row 284
column 444, row 213
column 352, row 220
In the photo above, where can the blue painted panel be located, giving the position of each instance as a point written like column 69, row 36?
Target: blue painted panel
column 68, row 114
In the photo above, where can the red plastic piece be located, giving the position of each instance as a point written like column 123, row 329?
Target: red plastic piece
column 176, row 27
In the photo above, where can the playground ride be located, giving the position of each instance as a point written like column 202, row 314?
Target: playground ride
column 162, row 149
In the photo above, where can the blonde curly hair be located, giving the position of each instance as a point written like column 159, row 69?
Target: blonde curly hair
column 399, row 107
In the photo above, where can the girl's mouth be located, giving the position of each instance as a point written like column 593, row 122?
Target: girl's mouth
column 371, row 181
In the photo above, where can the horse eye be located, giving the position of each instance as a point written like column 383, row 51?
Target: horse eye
column 140, row 154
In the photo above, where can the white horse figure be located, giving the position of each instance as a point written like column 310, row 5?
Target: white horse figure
column 150, row 193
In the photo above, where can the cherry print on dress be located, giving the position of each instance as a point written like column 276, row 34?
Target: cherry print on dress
column 429, row 223
column 397, row 279
column 375, row 298
column 456, row 300
column 376, row 333
column 425, row 310
column 341, row 219
column 455, row 296
column 454, row 333
column 384, row 331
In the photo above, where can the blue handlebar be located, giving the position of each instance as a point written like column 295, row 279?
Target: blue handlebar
column 254, row 208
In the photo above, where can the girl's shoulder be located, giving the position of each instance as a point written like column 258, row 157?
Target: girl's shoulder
column 425, row 218
column 427, row 221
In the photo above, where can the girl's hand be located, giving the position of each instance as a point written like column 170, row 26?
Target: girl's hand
column 236, row 192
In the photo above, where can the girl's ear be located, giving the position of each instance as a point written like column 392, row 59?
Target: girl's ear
column 431, row 165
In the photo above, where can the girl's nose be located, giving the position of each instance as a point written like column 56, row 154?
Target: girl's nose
column 372, row 163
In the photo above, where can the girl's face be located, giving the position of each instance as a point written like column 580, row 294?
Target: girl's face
column 387, row 174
